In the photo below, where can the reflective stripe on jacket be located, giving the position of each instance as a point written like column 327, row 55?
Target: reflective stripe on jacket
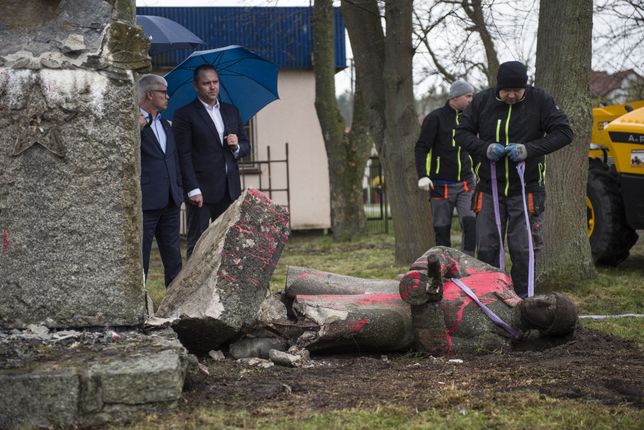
column 536, row 121
column 436, row 152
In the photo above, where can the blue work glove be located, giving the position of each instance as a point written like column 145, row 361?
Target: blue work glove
column 495, row 151
column 516, row 152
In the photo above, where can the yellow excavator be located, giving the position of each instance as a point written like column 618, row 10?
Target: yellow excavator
column 615, row 190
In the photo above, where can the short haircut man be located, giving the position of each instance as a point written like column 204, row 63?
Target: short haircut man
column 211, row 139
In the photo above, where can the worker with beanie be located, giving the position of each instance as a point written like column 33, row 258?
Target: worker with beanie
column 445, row 170
column 510, row 129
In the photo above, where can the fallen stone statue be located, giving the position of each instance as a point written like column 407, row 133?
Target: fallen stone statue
column 426, row 310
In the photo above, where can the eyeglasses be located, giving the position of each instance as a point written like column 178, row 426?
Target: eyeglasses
column 160, row 91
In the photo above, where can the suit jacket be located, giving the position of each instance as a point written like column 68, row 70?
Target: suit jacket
column 160, row 172
column 204, row 160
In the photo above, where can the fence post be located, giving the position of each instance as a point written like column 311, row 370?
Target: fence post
column 270, row 176
column 288, row 185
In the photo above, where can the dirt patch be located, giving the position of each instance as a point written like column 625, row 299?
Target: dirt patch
column 592, row 366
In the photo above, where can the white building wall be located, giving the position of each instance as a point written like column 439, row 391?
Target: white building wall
column 293, row 119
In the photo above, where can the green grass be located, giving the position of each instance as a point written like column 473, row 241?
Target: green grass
column 525, row 411
column 368, row 257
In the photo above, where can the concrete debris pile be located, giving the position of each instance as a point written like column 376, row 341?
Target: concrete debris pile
column 325, row 312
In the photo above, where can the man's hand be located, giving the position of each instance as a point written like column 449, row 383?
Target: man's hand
column 516, row 152
column 196, row 200
column 425, row 184
column 232, row 141
column 495, row 151
column 142, row 121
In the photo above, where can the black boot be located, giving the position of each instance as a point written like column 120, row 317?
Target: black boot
column 469, row 235
column 443, row 236
column 435, row 281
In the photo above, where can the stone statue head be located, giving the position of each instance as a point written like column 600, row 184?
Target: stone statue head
column 552, row 314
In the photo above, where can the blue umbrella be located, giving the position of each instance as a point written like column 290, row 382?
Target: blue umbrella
column 166, row 35
column 246, row 80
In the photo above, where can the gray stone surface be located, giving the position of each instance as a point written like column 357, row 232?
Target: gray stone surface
column 69, row 157
column 70, row 221
column 376, row 322
column 293, row 358
column 89, row 378
column 39, row 398
column 256, row 347
column 220, row 289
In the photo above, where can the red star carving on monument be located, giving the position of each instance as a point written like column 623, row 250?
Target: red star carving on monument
column 40, row 125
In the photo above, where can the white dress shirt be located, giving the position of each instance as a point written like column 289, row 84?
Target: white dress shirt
column 157, row 128
column 214, row 112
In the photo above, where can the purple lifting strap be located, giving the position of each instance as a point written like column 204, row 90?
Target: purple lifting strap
column 497, row 215
column 521, row 170
column 515, row 333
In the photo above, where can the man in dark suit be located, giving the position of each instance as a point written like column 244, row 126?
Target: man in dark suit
column 161, row 190
column 211, row 138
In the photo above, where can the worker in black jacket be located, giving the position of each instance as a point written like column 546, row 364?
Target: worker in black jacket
column 445, row 170
column 503, row 127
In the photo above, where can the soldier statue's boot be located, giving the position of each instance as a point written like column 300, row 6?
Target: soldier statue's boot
column 435, row 285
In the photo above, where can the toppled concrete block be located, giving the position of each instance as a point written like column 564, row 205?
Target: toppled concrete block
column 307, row 281
column 344, row 313
column 220, row 289
column 93, row 380
column 359, row 323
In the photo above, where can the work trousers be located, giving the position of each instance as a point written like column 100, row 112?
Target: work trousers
column 446, row 197
column 514, row 229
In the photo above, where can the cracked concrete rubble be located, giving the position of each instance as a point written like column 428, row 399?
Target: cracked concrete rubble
column 326, row 312
column 219, row 293
column 87, row 377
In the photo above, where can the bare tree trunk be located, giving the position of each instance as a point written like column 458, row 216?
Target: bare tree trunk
column 474, row 11
column 347, row 153
column 384, row 66
column 563, row 69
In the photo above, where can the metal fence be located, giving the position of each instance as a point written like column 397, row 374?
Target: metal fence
column 263, row 171
column 271, row 176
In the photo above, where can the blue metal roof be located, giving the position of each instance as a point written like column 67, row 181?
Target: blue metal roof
column 279, row 34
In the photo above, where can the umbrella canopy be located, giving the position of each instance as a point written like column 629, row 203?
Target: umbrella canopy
column 246, row 80
column 166, row 35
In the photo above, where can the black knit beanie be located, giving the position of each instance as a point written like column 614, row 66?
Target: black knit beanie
column 511, row 74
